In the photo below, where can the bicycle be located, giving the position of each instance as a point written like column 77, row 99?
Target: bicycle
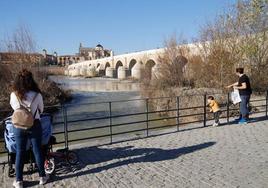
column 62, row 154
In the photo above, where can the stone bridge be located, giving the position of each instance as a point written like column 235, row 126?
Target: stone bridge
column 122, row 66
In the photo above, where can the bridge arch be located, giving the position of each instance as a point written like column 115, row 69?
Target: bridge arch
column 117, row 65
column 131, row 64
column 107, row 64
column 180, row 63
column 181, row 59
column 148, row 68
column 150, row 64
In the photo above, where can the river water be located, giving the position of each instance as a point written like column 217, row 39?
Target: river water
column 91, row 97
column 89, row 90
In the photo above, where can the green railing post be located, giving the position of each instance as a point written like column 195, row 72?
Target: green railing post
column 64, row 113
column 147, row 117
column 205, row 110
column 178, row 112
column 228, row 109
column 111, row 123
column 266, row 111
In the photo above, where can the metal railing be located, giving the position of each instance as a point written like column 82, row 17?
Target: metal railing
column 177, row 115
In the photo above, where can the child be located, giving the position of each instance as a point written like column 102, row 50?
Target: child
column 214, row 107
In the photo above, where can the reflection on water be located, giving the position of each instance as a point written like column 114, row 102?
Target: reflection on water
column 95, row 84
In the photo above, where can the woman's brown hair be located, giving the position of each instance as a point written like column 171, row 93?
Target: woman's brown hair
column 23, row 83
column 239, row 70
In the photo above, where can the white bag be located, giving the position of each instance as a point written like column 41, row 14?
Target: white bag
column 235, row 97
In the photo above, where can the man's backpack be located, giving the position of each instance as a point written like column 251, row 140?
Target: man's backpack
column 22, row 117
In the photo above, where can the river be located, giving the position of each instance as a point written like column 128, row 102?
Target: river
column 100, row 91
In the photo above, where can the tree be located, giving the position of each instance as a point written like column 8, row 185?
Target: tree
column 254, row 42
column 237, row 38
column 22, row 46
column 18, row 48
column 170, row 70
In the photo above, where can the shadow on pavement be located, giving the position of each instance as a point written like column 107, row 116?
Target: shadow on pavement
column 126, row 155
column 251, row 120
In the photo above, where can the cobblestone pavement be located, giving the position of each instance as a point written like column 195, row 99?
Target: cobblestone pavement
column 225, row 156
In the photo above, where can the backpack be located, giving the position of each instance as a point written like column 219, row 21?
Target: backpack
column 22, row 117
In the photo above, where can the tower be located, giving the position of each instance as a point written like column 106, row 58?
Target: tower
column 44, row 53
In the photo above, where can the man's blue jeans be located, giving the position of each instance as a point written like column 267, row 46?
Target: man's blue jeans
column 21, row 137
column 244, row 106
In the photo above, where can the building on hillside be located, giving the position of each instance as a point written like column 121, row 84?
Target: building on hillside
column 33, row 58
column 16, row 57
column 50, row 59
column 54, row 59
column 85, row 53
column 64, row 60
column 93, row 53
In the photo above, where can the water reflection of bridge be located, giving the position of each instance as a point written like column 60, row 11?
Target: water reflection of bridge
column 96, row 84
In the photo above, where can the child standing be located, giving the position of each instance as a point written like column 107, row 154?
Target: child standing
column 214, row 107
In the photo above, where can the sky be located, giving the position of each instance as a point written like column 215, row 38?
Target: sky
column 120, row 25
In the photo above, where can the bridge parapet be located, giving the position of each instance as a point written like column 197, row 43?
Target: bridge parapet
column 128, row 61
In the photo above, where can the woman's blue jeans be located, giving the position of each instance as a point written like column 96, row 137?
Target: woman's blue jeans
column 34, row 134
column 244, row 106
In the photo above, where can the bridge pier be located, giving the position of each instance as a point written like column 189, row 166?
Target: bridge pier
column 91, row 72
column 83, row 71
column 109, row 72
column 136, row 71
column 75, row 72
column 122, row 73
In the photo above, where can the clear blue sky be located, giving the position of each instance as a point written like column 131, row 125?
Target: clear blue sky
column 120, row 25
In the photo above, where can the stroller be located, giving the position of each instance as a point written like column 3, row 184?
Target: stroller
column 46, row 123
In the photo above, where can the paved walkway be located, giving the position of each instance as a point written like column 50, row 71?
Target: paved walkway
column 225, row 156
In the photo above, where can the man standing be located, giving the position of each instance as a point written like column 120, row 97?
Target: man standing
column 243, row 85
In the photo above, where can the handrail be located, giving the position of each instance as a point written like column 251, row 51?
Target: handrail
column 177, row 114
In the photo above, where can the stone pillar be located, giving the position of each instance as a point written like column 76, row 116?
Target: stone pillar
column 121, row 73
column 91, row 72
column 76, row 72
column 66, row 72
column 136, row 71
column 155, row 73
column 109, row 72
column 83, row 71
